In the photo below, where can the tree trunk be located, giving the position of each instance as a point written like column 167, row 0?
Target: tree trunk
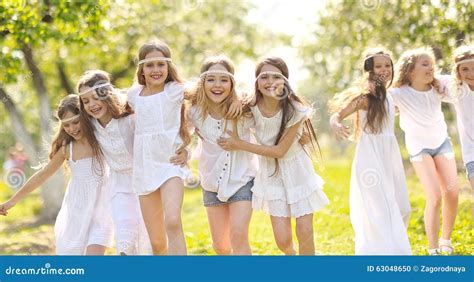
column 53, row 190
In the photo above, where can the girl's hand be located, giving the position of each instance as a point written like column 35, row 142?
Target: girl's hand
column 235, row 109
column 229, row 144
column 5, row 207
column 341, row 131
column 181, row 158
column 305, row 138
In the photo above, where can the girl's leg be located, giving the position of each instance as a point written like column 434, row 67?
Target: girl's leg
column 95, row 250
column 447, row 172
column 426, row 172
column 282, row 232
column 240, row 215
column 125, row 214
column 152, row 212
column 172, row 192
column 218, row 217
column 304, row 233
column 472, row 195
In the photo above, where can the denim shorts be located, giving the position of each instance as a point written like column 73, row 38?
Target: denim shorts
column 243, row 194
column 470, row 170
column 445, row 149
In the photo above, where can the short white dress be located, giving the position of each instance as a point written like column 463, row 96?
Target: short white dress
column 158, row 120
column 84, row 218
column 296, row 190
column 379, row 204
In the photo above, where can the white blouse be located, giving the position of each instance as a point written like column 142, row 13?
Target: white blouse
column 464, row 103
column 421, row 117
column 221, row 171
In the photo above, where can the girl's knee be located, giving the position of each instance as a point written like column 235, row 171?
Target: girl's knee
column 159, row 247
column 173, row 223
column 304, row 230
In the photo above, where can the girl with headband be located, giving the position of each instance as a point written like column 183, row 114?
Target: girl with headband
column 83, row 225
column 226, row 177
column 114, row 130
column 286, row 185
column 379, row 205
column 418, row 96
column 160, row 132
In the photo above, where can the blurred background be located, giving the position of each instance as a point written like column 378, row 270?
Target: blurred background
column 46, row 45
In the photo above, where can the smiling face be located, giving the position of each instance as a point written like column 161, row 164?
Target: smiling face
column 423, row 72
column 72, row 127
column 466, row 73
column 155, row 72
column 217, row 86
column 272, row 84
column 383, row 68
column 93, row 105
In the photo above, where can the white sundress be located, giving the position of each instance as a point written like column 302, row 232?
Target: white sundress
column 84, row 217
column 379, row 205
column 296, row 189
column 158, row 120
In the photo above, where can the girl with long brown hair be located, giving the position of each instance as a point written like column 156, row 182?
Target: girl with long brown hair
column 379, row 205
column 83, row 225
column 286, row 185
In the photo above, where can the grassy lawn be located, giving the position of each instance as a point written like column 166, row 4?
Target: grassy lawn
column 21, row 234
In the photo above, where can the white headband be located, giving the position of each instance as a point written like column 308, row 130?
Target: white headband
column 377, row 55
column 216, row 72
column 465, row 61
column 94, row 88
column 153, row 59
column 69, row 119
column 271, row 73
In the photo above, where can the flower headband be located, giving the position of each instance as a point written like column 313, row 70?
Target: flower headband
column 216, row 72
column 94, row 88
column 377, row 55
column 70, row 119
column 465, row 61
column 271, row 73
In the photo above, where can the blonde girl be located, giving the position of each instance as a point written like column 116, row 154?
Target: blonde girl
column 418, row 96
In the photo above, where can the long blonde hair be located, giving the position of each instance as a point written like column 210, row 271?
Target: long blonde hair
column 376, row 112
column 406, row 64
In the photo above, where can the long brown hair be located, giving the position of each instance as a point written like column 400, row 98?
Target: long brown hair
column 461, row 53
column 376, row 111
column 173, row 75
column 71, row 104
column 115, row 107
column 286, row 105
column 406, row 64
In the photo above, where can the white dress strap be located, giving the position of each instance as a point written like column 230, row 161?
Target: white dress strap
column 70, row 151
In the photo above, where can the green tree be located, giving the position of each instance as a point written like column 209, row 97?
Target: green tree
column 345, row 28
column 47, row 45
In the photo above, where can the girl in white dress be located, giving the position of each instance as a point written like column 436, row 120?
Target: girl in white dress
column 286, row 185
column 226, row 177
column 114, row 130
column 463, row 93
column 379, row 205
column 418, row 96
column 83, row 225
column 160, row 132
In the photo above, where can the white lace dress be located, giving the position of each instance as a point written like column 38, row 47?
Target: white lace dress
column 116, row 142
column 158, row 120
column 84, row 218
column 296, row 189
column 379, row 205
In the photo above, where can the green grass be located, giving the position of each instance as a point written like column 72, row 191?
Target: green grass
column 19, row 234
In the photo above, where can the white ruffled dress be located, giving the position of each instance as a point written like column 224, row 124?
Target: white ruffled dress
column 296, row 190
